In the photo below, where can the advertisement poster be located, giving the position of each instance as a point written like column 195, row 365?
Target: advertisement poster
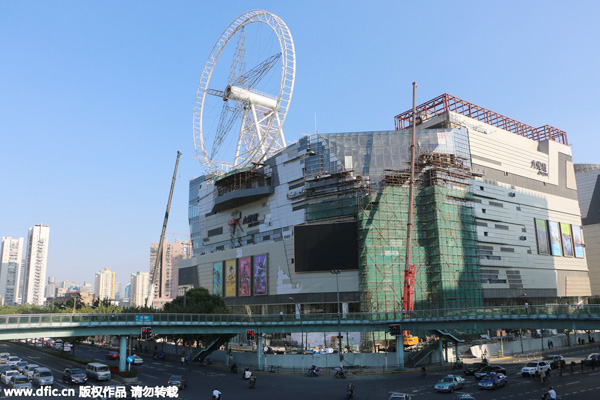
column 541, row 229
column 578, row 241
column 567, row 239
column 218, row 278
column 555, row 245
column 230, row 278
column 260, row 274
column 244, row 274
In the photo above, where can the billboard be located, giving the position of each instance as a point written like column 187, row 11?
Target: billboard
column 541, row 229
column 218, row 278
column 245, row 283
column 567, row 239
column 260, row 274
column 555, row 242
column 230, row 278
column 578, row 241
column 324, row 247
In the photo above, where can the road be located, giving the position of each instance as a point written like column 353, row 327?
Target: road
column 580, row 385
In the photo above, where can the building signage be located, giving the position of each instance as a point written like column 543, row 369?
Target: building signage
column 542, row 168
column 251, row 219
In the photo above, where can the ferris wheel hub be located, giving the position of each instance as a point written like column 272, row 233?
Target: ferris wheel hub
column 247, row 96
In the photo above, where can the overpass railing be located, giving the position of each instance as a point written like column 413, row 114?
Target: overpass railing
column 10, row 321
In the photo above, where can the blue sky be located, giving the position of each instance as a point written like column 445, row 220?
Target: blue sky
column 96, row 97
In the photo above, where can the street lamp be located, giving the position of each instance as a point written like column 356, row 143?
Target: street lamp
column 336, row 272
column 301, row 325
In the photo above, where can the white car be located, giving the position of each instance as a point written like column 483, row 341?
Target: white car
column 67, row 347
column 13, row 361
column 21, row 366
column 19, row 381
column 137, row 360
column 43, row 376
column 29, row 370
column 535, row 367
column 5, row 378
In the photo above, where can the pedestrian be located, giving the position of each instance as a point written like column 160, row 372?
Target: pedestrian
column 542, row 375
column 527, row 308
column 281, row 315
column 549, row 344
column 403, row 312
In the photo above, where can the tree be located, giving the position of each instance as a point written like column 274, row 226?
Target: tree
column 197, row 301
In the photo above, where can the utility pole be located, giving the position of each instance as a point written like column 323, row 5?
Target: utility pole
column 336, row 272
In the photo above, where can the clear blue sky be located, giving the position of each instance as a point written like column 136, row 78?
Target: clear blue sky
column 96, row 97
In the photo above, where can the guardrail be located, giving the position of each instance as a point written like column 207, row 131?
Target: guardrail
column 9, row 321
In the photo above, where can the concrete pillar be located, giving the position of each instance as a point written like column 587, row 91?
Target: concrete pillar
column 122, row 353
column 400, row 351
column 441, row 352
column 259, row 350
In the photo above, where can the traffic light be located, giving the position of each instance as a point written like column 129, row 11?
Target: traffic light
column 395, row 330
column 250, row 335
column 146, row 333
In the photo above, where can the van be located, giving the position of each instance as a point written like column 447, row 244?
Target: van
column 97, row 371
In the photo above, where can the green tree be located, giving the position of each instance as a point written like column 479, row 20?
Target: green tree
column 197, row 301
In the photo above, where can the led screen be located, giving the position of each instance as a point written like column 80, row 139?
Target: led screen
column 326, row 247
column 541, row 228
column 555, row 244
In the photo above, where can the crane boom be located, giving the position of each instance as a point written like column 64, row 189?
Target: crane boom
column 154, row 272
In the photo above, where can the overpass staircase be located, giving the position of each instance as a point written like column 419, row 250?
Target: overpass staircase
column 215, row 345
column 415, row 358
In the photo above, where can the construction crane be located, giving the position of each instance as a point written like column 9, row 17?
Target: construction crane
column 410, row 270
column 155, row 271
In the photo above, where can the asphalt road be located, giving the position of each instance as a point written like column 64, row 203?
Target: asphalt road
column 579, row 385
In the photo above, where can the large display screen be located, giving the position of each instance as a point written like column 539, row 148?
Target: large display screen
column 245, row 277
column 326, row 247
column 541, row 228
column 218, row 278
column 578, row 241
column 555, row 242
column 567, row 240
column 260, row 274
column 230, row 278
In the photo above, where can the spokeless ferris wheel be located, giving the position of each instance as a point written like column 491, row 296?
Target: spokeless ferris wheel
column 250, row 102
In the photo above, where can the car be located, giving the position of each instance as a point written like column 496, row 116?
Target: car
column 4, row 357
column 29, row 370
column 21, row 366
column 113, row 355
column 177, row 380
column 137, row 360
column 481, row 372
column 400, row 396
column 5, row 378
column 471, row 369
column 19, row 381
column 74, row 376
column 464, row 396
column 535, row 367
column 592, row 359
column 4, row 368
column 450, row 383
column 67, row 347
column 42, row 377
column 13, row 360
column 492, row 381
column 555, row 361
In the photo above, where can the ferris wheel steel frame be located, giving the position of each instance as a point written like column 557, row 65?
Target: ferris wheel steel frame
column 262, row 115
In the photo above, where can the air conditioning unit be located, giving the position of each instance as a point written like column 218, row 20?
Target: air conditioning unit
column 511, row 194
column 523, row 238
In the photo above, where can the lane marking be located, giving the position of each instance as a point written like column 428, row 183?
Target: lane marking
column 149, row 376
column 572, row 383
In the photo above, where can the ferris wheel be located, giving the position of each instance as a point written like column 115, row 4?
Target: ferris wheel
column 239, row 112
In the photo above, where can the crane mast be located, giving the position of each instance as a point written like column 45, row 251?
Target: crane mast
column 155, row 271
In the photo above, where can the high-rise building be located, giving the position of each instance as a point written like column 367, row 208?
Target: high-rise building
column 118, row 291
column 11, row 256
column 51, row 286
column 105, row 284
column 496, row 218
column 138, row 289
column 588, row 190
column 166, row 281
column 86, row 287
column 37, row 260
column 127, row 291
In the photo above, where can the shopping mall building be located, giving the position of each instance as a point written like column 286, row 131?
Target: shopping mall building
column 496, row 219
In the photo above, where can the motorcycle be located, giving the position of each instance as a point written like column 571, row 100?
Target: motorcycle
column 252, row 381
column 312, row 372
column 340, row 374
column 234, row 369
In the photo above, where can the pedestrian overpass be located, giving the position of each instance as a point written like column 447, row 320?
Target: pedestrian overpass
column 21, row 326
